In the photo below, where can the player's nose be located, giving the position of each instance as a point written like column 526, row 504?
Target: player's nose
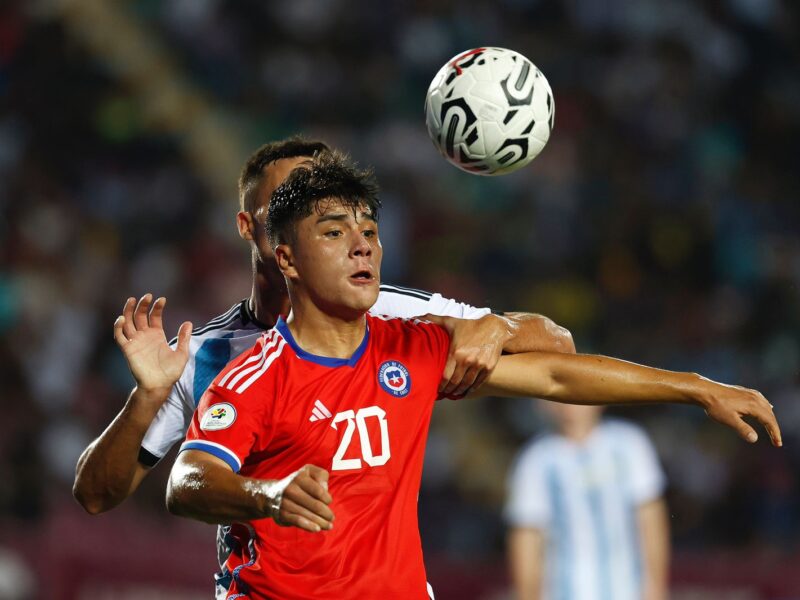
column 361, row 246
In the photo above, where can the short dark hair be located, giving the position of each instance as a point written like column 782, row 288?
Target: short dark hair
column 253, row 169
column 329, row 175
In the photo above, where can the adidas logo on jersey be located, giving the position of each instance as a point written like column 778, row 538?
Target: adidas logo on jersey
column 320, row 412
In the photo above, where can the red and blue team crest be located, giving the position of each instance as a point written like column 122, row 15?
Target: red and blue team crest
column 394, row 378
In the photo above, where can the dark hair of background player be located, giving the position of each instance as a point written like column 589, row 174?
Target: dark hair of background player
column 329, row 175
column 253, row 169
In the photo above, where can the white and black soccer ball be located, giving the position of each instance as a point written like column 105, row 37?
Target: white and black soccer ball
column 489, row 111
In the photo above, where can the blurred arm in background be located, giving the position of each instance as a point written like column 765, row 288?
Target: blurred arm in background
column 655, row 547
column 526, row 561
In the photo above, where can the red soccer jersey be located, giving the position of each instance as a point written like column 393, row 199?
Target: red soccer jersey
column 365, row 419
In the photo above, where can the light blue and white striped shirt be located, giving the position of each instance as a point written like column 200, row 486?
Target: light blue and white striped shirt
column 584, row 498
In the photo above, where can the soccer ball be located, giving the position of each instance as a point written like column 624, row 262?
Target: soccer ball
column 489, row 111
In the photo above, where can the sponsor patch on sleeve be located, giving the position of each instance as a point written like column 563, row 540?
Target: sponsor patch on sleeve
column 218, row 416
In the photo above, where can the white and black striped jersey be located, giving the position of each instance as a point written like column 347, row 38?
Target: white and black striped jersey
column 213, row 345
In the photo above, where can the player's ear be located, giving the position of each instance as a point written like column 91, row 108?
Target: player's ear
column 285, row 258
column 246, row 225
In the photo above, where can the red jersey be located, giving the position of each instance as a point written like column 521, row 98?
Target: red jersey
column 365, row 419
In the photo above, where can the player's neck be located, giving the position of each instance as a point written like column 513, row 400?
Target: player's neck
column 323, row 334
column 578, row 432
column 268, row 298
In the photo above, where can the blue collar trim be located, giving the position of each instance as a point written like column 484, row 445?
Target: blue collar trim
column 325, row 361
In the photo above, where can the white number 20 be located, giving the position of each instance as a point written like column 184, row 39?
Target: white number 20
column 360, row 418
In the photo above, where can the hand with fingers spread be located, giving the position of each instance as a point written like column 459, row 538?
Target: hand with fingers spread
column 475, row 347
column 139, row 333
column 304, row 500
column 731, row 404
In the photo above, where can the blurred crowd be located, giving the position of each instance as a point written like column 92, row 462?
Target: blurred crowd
column 661, row 224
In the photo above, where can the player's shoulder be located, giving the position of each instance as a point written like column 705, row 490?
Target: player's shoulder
column 406, row 326
column 225, row 336
column 399, row 292
column 220, row 326
column 384, row 321
column 421, row 343
column 621, row 427
column 397, row 300
column 539, row 448
column 623, row 431
column 250, row 369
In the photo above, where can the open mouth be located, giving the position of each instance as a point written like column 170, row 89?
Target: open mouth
column 362, row 276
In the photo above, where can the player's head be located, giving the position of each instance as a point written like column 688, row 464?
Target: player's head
column 571, row 419
column 263, row 172
column 322, row 224
column 260, row 174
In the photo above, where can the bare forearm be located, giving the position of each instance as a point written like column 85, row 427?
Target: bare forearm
column 655, row 545
column 215, row 494
column 203, row 487
column 536, row 333
column 108, row 470
column 216, row 498
column 590, row 379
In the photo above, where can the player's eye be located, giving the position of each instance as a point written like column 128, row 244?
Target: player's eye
column 333, row 233
column 369, row 233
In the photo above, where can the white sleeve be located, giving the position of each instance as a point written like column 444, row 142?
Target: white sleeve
column 170, row 424
column 396, row 301
column 527, row 504
column 647, row 480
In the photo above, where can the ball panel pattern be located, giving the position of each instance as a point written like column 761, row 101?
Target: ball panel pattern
column 489, row 111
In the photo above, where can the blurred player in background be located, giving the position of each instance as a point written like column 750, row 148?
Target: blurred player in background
column 587, row 516
column 154, row 419
column 334, row 386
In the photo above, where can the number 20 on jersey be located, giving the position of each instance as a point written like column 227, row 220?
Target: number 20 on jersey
column 357, row 420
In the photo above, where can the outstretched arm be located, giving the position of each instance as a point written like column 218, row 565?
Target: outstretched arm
column 591, row 379
column 477, row 344
column 203, row 487
column 108, row 471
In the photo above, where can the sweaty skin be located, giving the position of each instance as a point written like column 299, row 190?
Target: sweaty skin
column 108, row 470
column 328, row 321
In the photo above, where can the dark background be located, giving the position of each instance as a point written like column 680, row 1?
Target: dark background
column 660, row 224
